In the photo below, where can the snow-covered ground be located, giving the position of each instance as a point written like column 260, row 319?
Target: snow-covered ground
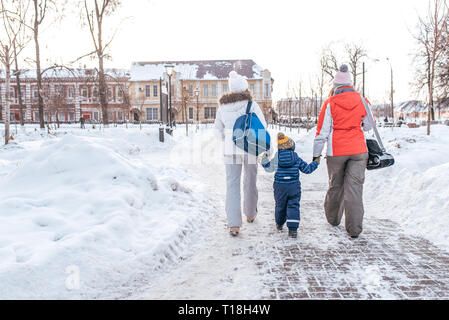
column 415, row 191
column 111, row 207
column 95, row 211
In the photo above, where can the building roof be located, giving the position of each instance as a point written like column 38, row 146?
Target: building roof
column 67, row 73
column 196, row 70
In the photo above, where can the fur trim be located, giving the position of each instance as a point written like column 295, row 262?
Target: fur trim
column 236, row 97
column 284, row 142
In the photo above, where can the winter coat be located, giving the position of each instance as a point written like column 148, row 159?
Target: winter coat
column 233, row 106
column 287, row 165
column 340, row 124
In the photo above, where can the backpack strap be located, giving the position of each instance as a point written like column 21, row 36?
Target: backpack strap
column 248, row 108
column 373, row 123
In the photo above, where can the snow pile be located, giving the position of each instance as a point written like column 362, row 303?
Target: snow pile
column 88, row 215
column 414, row 192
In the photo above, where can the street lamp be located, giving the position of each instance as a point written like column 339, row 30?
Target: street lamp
column 169, row 70
column 197, row 94
column 392, row 92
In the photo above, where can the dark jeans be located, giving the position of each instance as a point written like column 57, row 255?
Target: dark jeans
column 287, row 198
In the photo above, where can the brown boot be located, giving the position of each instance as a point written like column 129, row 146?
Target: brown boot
column 234, row 231
column 250, row 219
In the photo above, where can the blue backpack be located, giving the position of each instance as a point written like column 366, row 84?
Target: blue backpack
column 249, row 134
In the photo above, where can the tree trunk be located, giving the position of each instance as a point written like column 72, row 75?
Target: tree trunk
column 19, row 88
column 101, row 77
column 38, row 66
column 103, row 91
column 7, row 101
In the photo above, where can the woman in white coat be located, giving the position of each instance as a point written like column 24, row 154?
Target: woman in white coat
column 232, row 106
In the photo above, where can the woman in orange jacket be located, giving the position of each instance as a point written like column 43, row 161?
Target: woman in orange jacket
column 342, row 120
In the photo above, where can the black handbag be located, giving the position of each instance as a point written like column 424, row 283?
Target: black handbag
column 378, row 158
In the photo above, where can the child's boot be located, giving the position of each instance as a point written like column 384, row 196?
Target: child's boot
column 279, row 227
column 293, row 233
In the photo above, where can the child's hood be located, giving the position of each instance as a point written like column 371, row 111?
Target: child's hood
column 287, row 158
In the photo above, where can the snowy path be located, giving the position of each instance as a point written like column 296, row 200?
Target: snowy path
column 322, row 264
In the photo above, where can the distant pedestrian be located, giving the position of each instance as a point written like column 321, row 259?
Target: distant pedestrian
column 287, row 187
column 342, row 118
column 82, row 121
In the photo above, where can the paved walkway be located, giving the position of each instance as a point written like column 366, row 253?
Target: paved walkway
column 324, row 263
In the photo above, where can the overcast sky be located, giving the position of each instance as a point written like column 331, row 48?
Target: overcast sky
column 283, row 36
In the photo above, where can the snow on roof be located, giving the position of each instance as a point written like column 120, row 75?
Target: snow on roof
column 68, row 73
column 411, row 106
column 196, row 70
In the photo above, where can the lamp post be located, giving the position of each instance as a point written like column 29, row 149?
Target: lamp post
column 391, row 92
column 197, row 94
column 169, row 70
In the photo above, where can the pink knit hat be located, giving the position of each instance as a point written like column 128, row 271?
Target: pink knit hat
column 343, row 76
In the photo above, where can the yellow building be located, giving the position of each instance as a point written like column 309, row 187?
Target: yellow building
column 196, row 87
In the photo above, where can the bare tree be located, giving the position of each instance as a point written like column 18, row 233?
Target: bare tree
column 431, row 46
column 355, row 53
column 41, row 10
column 21, row 6
column 186, row 97
column 329, row 62
column 94, row 13
column 12, row 42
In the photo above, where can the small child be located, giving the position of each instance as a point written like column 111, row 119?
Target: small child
column 287, row 188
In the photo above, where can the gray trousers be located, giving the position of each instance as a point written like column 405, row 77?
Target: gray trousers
column 233, row 193
column 345, row 194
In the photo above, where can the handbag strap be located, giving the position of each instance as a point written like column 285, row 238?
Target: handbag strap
column 248, row 108
column 373, row 123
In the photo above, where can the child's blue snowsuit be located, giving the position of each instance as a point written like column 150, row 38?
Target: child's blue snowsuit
column 287, row 188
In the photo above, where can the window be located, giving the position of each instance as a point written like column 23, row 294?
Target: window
column 84, row 92
column 147, row 90
column 155, row 90
column 71, row 116
column 96, row 115
column 120, row 92
column 35, row 93
column 225, row 88
column 110, row 94
column 12, row 116
column 267, row 90
column 36, row 116
column 71, row 92
column 119, row 116
column 59, row 91
column 190, row 113
column 205, row 90
column 209, row 113
column 61, row 117
column 152, row 114
column 214, row 90
column 11, row 93
column 191, row 90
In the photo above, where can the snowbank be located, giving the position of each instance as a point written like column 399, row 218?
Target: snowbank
column 86, row 214
column 414, row 192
